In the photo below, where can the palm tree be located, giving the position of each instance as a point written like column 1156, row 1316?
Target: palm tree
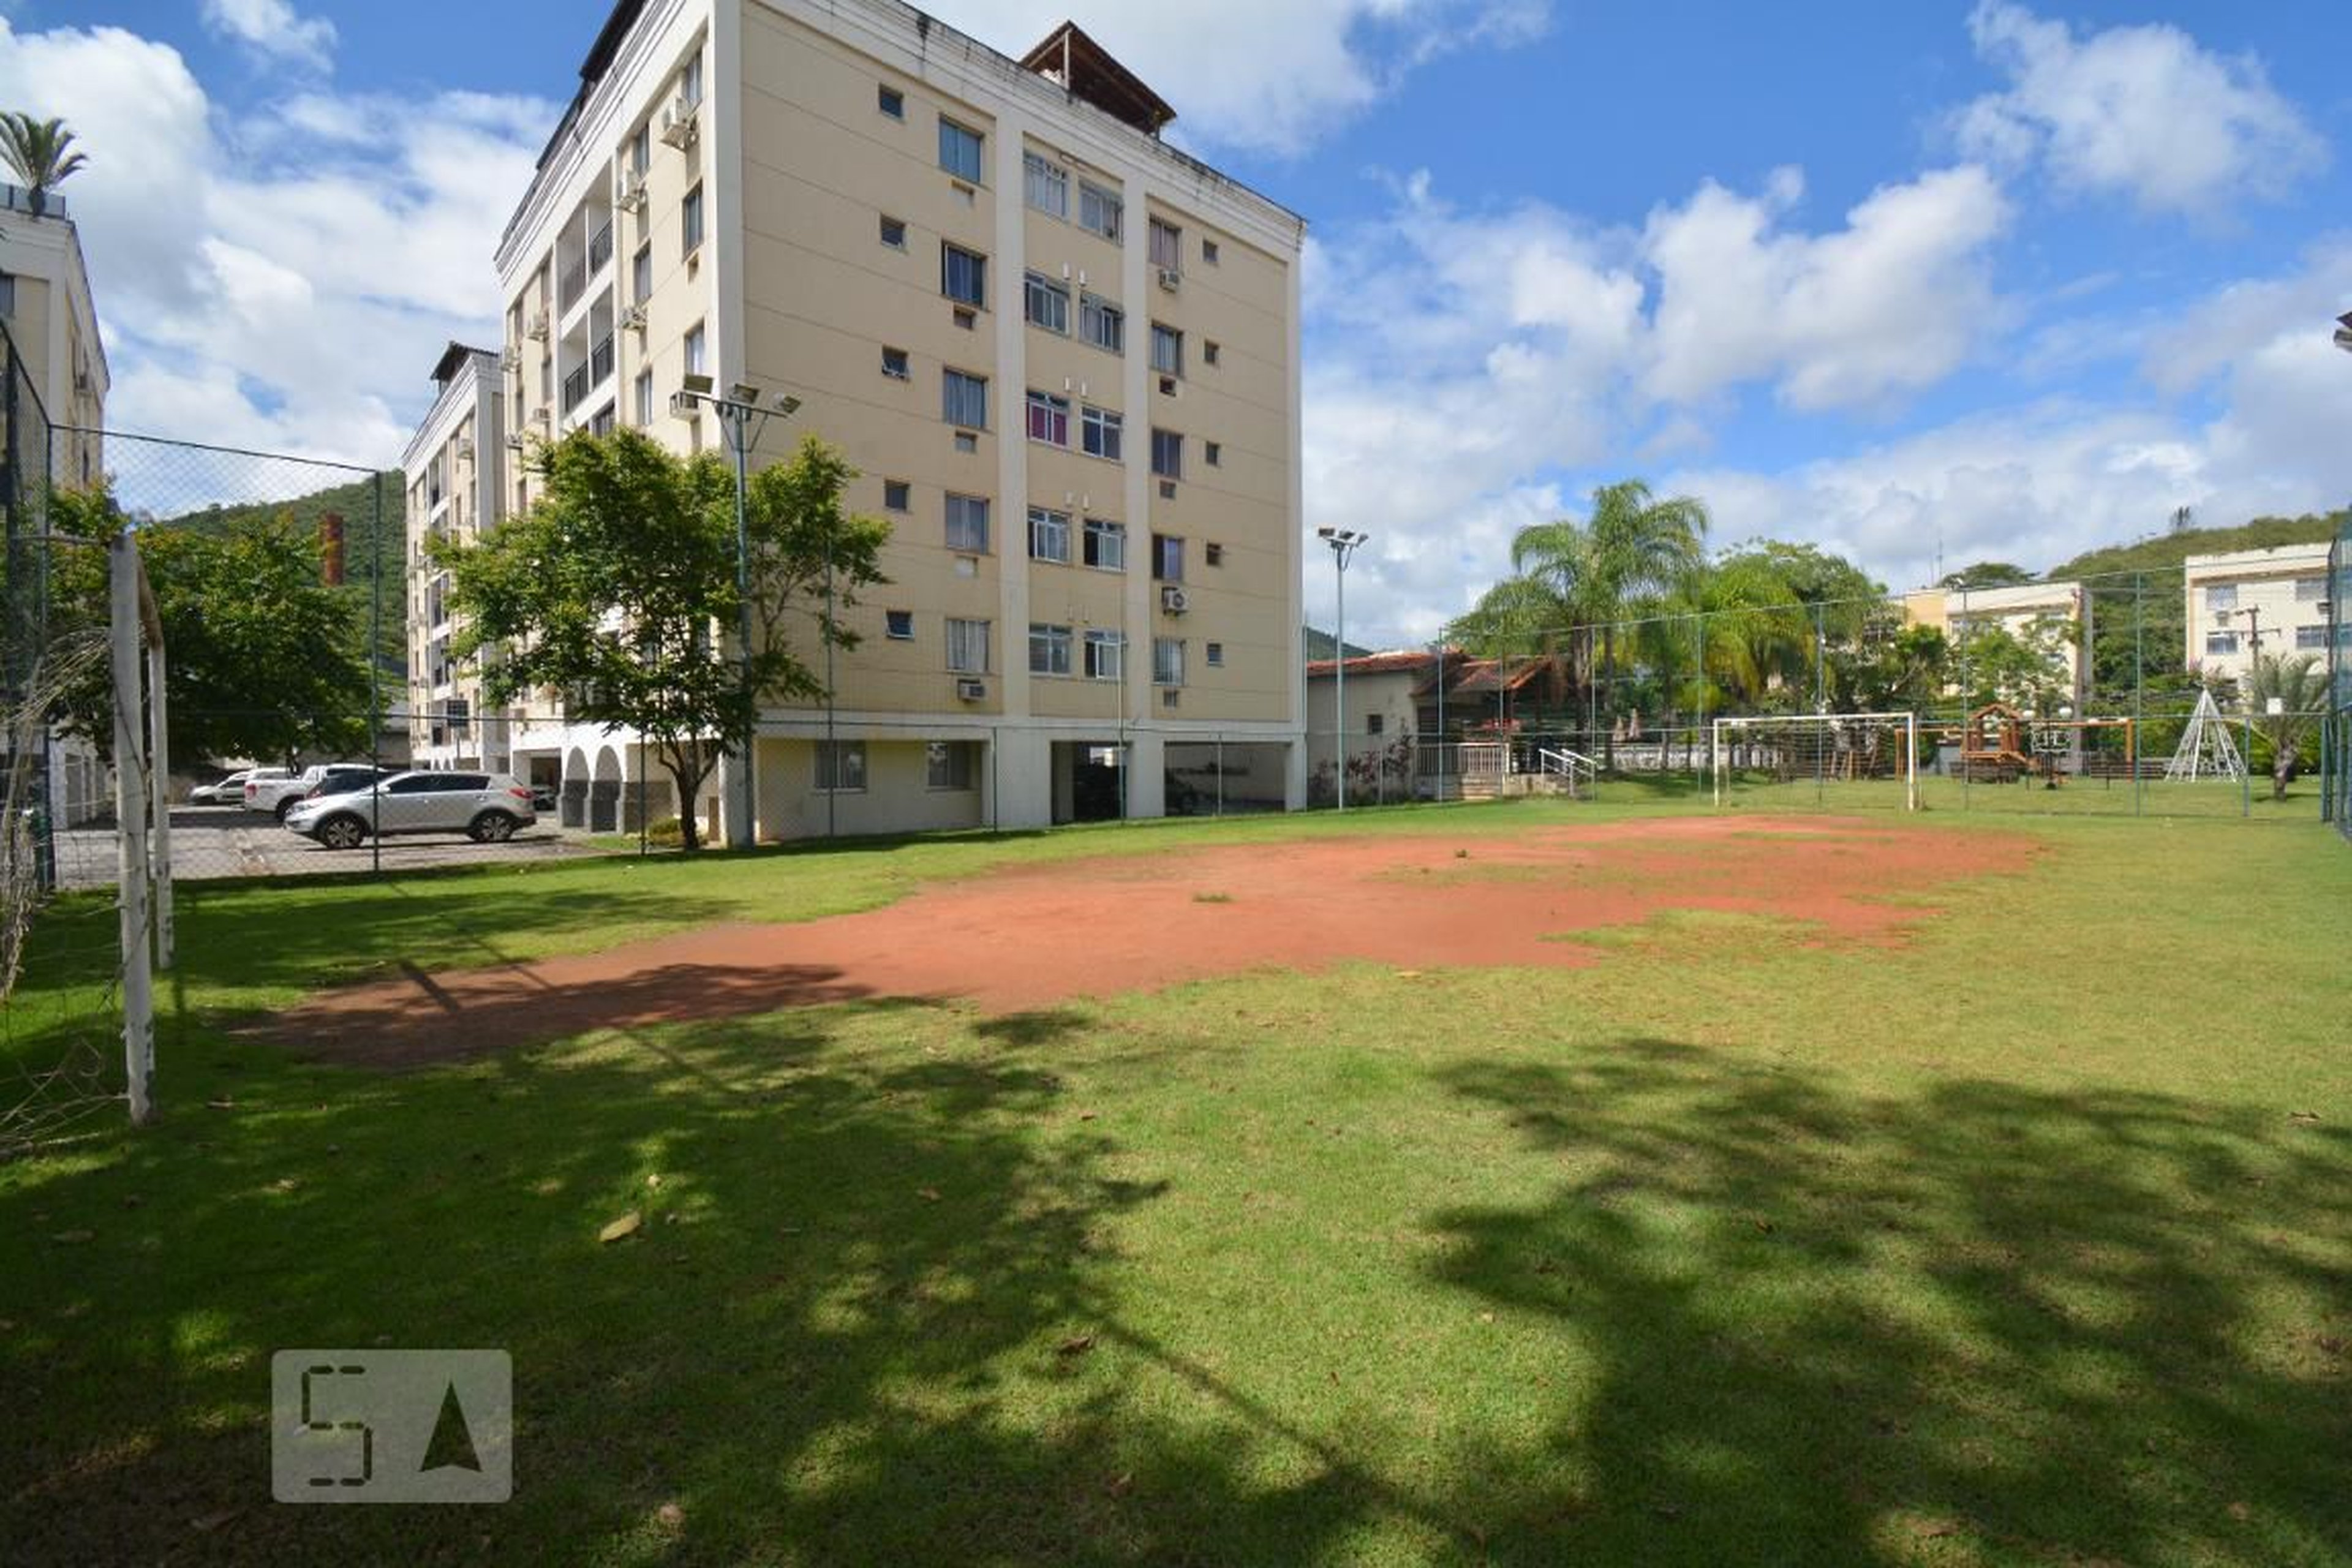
column 2300, row 688
column 1632, row 552
column 39, row 152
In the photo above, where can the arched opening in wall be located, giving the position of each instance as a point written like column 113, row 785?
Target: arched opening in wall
column 574, row 801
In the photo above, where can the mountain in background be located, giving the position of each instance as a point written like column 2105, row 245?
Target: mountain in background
column 371, row 544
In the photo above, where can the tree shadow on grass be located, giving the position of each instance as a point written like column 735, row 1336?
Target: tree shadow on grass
column 1993, row 1325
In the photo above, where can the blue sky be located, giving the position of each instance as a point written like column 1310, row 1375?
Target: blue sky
column 1919, row 282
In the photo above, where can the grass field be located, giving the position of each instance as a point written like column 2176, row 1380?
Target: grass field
column 2029, row 1242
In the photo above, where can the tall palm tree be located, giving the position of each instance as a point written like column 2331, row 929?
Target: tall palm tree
column 40, row 151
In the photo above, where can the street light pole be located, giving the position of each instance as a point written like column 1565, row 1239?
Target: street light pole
column 1344, row 544
column 742, row 414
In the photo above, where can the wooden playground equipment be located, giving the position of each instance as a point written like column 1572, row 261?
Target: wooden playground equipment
column 2001, row 745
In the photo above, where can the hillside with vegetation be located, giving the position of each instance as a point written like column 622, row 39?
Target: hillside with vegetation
column 370, row 544
column 2165, row 553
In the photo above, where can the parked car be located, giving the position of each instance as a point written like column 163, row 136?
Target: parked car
column 228, row 791
column 280, row 796
column 543, row 796
column 486, row 808
column 266, row 785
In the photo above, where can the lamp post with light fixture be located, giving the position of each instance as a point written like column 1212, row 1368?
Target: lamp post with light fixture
column 742, row 414
column 1344, row 544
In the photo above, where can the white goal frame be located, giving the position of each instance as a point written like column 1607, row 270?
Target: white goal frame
column 1717, row 751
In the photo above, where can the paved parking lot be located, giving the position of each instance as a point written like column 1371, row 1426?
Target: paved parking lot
column 227, row 841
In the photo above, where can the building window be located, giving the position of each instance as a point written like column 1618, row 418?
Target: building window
column 1166, row 247
column 641, row 274
column 1105, row 544
column 890, row 102
column 1167, row 661
column 1046, row 185
column 965, row 400
column 1209, row 350
column 2310, row 590
column 2311, row 637
column 897, row 495
column 967, row 647
column 690, row 79
column 645, row 397
column 894, row 232
column 2221, row 596
column 1214, row 455
column 1106, row 655
column 968, row 525
column 1209, row 252
column 1216, row 656
column 2220, row 642
column 1168, row 454
column 1049, row 649
column 1375, row 722
column 963, row 275
column 1049, row 535
column 840, row 766
column 959, row 150
column 641, row 150
column 1213, row 553
column 1049, row 418
column 1102, row 432
column 894, row 364
column 1167, row 350
column 1045, row 304
column 601, row 423
column 1099, row 211
column 697, row 345
column 1167, row 558
column 690, row 214
column 947, row 764
column 899, row 625
column 1102, row 323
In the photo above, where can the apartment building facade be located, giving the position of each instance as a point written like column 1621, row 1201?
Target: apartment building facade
column 2056, row 615
column 2276, row 599
column 1063, row 355
column 453, row 470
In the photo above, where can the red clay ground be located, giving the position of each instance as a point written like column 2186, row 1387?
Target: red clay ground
column 1034, row 935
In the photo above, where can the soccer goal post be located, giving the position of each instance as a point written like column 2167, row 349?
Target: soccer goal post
column 1822, row 748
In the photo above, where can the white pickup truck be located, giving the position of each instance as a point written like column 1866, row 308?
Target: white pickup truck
column 278, row 795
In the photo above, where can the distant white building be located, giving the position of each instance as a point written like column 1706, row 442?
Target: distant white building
column 2246, row 602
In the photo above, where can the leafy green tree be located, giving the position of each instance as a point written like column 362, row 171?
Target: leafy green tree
column 2026, row 667
column 261, row 658
column 1987, row 574
column 39, row 152
column 618, row 590
column 2299, row 687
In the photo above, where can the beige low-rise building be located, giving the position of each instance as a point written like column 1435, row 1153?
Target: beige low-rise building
column 1064, row 356
column 2057, row 614
column 2245, row 602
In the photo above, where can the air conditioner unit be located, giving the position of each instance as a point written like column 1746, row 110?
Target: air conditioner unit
column 683, row 406
column 972, row 690
column 540, row 415
column 629, row 191
column 634, row 316
column 512, row 358
column 1171, row 279
column 537, row 329
column 677, row 127
column 465, row 452
column 1173, row 600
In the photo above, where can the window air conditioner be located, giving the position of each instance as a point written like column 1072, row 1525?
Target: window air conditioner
column 682, row 406
column 1173, row 600
column 629, row 193
column 1171, row 279
column 512, row 358
column 677, row 127
column 634, row 316
column 538, row 327
column 972, row 690
column 465, row 452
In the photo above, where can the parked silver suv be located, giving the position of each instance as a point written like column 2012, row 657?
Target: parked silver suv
column 486, row 808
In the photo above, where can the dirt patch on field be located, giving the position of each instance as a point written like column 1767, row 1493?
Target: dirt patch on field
column 1034, row 935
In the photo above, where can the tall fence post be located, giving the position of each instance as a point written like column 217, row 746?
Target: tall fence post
column 131, row 807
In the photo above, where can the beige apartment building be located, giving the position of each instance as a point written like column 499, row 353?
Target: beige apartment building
column 2029, row 611
column 1063, row 354
column 45, row 301
column 453, row 468
column 2278, row 598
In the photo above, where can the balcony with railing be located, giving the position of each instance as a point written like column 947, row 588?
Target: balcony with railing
column 583, row 250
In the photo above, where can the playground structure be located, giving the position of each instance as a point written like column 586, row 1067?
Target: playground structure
column 2001, row 745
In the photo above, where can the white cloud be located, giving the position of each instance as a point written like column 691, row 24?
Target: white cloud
column 272, row 28
column 2140, row 111
column 1273, row 78
column 1892, row 302
column 292, row 302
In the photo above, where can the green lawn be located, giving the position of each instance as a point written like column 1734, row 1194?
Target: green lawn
column 2030, row 1243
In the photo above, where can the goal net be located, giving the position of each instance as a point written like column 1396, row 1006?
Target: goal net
column 1863, row 758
